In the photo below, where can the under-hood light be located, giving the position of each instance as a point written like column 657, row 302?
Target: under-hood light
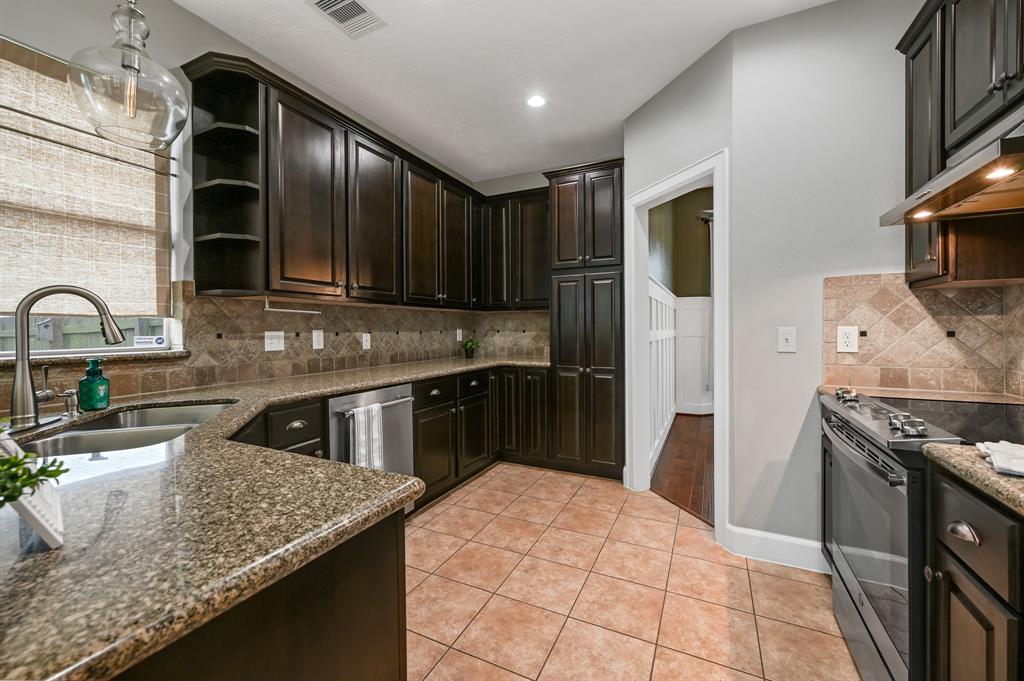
column 1000, row 173
column 922, row 214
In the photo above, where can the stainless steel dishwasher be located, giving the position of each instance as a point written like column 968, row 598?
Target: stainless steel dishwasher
column 396, row 412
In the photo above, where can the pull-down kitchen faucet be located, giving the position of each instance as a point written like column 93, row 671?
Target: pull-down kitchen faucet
column 24, row 398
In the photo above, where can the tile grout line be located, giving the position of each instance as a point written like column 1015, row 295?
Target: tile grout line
column 753, row 614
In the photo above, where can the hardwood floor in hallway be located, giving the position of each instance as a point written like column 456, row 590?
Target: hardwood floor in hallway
column 685, row 472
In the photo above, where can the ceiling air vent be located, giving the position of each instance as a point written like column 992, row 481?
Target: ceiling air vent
column 353, row 18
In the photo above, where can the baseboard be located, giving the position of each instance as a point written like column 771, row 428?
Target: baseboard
column 695, row 408
column 772, row 547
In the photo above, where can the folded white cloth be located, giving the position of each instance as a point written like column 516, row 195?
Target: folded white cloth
column 1006, row 458
column 368, row 437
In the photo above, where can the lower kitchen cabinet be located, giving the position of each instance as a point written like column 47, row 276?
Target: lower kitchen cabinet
column 523, row 421
column 510, row 391
column 297, row 428
column 535, row 414
column 434, row 446
column 474, row 439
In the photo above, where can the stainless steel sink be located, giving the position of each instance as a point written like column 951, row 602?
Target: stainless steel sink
column 93, row 441
column 187, row 414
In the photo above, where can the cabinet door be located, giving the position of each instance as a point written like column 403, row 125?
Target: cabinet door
column 495, row 413
column 1014, row 67
column 531, row 269
column 497, row 242
column 602, row 217
column 975, row 636
column 306, row 198
column 434, row 442
column 422, row 236
column 510, row 420
column 603, row 373
column 568, row 357
column 478, row 217
column 374, row 221
column 565, row 195
column 535, row 413
column 474, row 440
column 455, row 247
column 975, row 56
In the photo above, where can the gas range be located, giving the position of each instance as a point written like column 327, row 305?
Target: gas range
column 890, row 426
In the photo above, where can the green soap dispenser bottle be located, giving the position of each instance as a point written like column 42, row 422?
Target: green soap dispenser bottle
column 94, row 389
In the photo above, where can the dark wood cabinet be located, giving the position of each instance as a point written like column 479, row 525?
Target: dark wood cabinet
column 535, row 414
column 975, row 58
column 474, row 440
column 497, row 240
column 435, row 447
column 568, row 358
column 975, row 636
column 567, row 241
column 531, row 269
column 478, row 216
column 422, row 232
column 456, row 247
column 510, row 406
column 493, row 412
column 374, row 221
column 306, row 198
column 586, row 215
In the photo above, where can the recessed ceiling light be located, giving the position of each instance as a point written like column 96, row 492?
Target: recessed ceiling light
column 536, row 100
column 921, row 214
column 1000, row 173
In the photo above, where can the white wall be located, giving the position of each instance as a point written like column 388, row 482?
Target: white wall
column 811, row 108
column 694, row 375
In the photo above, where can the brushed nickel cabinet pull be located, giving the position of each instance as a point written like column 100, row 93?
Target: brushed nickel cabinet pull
column 435, row 392
column 964, row 532
column 297, row 424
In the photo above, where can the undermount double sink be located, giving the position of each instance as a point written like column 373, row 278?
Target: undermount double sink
column 123, row 430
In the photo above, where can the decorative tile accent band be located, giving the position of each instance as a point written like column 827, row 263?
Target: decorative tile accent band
column 949, row 340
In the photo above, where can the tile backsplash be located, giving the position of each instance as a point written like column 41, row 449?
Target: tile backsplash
column 224, row 337
column 948, row 340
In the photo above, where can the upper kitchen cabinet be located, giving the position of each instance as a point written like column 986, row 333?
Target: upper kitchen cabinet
column 422, row 236
column 976, row 56
column 586, row 215
column 456, row 247
column 306, row 218
column 496, row 265
column 531, row 272
column 374, row 221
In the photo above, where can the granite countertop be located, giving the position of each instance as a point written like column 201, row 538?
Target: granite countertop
column 967, row 463
column 156, row 546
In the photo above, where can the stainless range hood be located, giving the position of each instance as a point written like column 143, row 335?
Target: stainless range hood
column 985, row 178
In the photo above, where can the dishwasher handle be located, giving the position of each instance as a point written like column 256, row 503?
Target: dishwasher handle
column 384, row 405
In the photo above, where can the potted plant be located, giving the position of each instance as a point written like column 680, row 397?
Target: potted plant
column 469, row 346
column 19, row 476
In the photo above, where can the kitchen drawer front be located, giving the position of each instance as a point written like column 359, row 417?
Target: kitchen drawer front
column 428, row 394
column 983, row 537
column 289, row 426
column 472, row 384
column 312, row 448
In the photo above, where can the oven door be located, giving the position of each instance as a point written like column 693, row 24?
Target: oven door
column 870, row 525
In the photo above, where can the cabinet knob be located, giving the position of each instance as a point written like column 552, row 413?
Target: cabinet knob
column 319, row 453
column 452, row 410
column 930, row 258
column 354, row 285
column 462, row 409
column 587, row 370
column 587, row 258
column 439, row 296
column 579, row 370
column 579, row 258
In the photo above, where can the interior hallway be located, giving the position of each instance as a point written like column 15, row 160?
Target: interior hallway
column 685, row 472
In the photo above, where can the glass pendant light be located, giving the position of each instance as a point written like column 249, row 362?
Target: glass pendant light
column 126, row 96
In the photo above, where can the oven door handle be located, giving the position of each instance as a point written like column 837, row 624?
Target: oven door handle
column 888, row 477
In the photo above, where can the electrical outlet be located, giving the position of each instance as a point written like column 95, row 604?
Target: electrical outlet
column 458, row 334
column 366, row 341
column 273, row 341
column 847, row 339
column 318, row 339
column 787, row 339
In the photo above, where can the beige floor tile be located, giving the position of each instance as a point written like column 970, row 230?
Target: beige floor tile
column 634, row 563
column 670, row 665
column 553, row 489
column 488, row 500
column 533, row 510
column 506, row 482
column 652, row 507
column 601, row 497
column 816, row 578
column 421, row 518
column 426, row 550
column 440, row 608
column 413, row 577
column 421, row 655
column 792, row 653
column 712, row 632
column 510, row 533
column 708, row 581
column 460, row 522
column 795, row 602
column 701, row 544
column 585, row 520
column 588, row 653
column 621, row 606
column 513, row 635
column 568, row 548
column 545, row 584
column 456, row 666
column 653, row 534
column 479, row 565
column 693, row 521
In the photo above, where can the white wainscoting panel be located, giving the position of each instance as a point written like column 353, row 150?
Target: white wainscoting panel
column 662, row 349
column 694, row 367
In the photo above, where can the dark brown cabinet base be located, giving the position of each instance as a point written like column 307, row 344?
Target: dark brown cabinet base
column 340, row 617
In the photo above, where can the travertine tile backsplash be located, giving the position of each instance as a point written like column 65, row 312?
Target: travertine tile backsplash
column 949, row 340
column 224, row 337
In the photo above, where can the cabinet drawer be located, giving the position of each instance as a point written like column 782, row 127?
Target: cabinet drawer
column 312, row 448
column 431, row 393
column 294, row 425
column 983, row 537
column 472, row 384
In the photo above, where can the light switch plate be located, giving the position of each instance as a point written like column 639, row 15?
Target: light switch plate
column 366, row 341
column 787, row 339
column 458, row 334
column 847, row 339
column 273, row 341
column 318, row 339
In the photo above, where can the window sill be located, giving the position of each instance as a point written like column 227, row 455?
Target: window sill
column 108, row 358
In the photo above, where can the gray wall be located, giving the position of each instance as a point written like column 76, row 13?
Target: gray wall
column 810, row 107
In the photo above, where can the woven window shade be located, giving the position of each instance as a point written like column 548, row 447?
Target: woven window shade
column 68, row 216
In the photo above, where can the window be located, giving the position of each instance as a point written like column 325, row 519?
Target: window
column 76, row 209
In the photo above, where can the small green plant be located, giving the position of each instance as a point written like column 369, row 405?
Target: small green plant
column 17, row 476
column 469, row 344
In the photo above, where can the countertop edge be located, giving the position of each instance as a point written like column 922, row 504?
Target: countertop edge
column 916, row 394
column 966, row 464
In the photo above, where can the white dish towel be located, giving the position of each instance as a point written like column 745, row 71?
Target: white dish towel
column 368, row 437
column 1005, row 457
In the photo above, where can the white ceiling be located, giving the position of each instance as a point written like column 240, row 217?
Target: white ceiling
column 451, row 77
